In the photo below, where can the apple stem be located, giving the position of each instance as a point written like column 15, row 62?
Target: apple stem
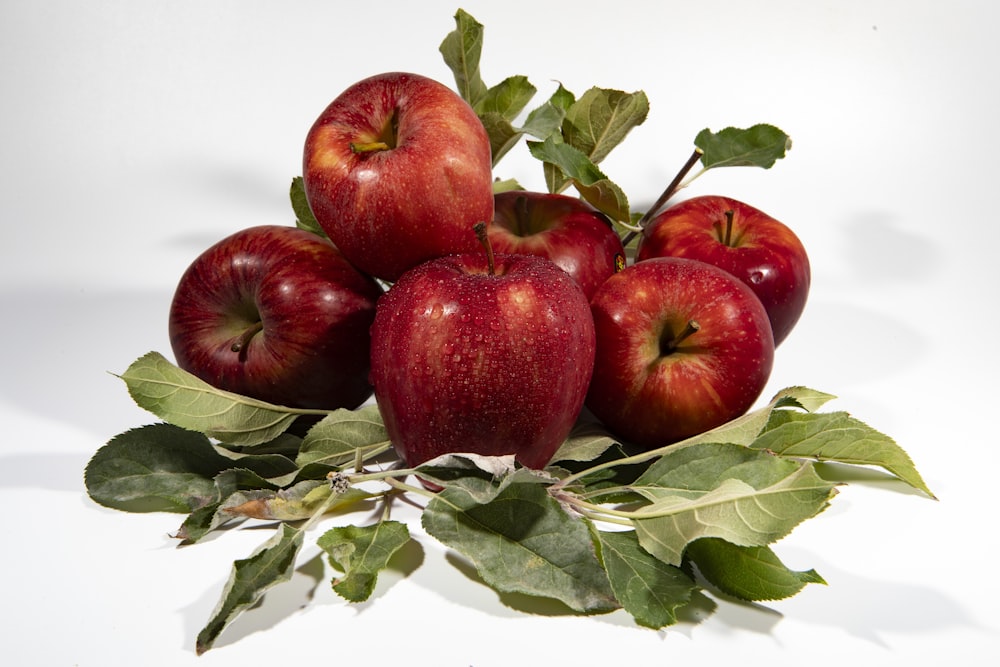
column 668, row 345
column 369, row 147
column 241, row 343
column 484, row 240
column 669, row 192
column 728, row 239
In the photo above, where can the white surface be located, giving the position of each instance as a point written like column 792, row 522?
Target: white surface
column 135, row 134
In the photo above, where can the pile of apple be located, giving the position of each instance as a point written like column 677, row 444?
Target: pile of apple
column 485, row 322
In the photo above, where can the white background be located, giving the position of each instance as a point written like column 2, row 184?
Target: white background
column 135, row 134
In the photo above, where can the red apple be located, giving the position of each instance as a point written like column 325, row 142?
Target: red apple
column 397, row 170
column 278, row 314
column 682, row 347
column 470, row 359
column 566, row 230
column 759, row 250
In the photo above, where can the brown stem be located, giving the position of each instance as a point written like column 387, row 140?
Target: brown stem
column 669, row 192
column 484, row 240
column 670, row 344
column 729, row 228
column 241, row 343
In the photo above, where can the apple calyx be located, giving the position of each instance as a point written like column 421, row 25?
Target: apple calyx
column 669, row 342
column 484, row 240
column 240, row 344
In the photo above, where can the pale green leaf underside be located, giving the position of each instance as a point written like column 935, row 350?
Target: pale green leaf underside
column 836, row 436
column 733, row 509
column 180, row 398
column 342, row 436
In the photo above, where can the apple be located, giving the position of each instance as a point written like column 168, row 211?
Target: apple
column 759, row 250
column 476, row 353
column 682, row 347
column 278, row 314
column 397, row 169
column 566, row 230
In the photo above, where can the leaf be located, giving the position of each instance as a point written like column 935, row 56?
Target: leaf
column 337, row 439
column 522, row 541
column 508, row 98
column 275, row 468
column 361, row 553
column 586, row 442
column 180, row 398
column 546, row 120
column 747, row 573
column 503, row 135
column 461, row 50
column 599, row 121
column 744, row 429
column 506, row 185
column 757, row 146
column 589, row 181
column 648, row 589
column 836, row 436
column 304, row 218
column 296, row 503
column 156, row 468
column 480, row 477
column 748, row 497
column 272, row 563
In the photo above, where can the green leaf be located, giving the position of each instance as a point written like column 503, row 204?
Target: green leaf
column 744, row 429
column 757, row 146
column 747, row 573
column 272, row 563
column 298, row 502
column 178, row 397
column 836, row 436
column 503, row 135
column 546, row 120
column 523, row 541
column 304, row 218
column 156, row 468
column 506, row 185
column 506, row 99
column 482, row 478
column 361, row 553
column 204, row 520
column 277, row 469
column 600, row 120
column 461, row 50
column 746, row 496
column 586, row 177
column 344, row 436
column 586, row 442
column 648, row 589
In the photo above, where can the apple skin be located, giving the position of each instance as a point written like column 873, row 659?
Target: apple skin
column 653, row 397
column 763, row 252
column 389, row 210
column 312, row 308
column 578, row 238
column 465, row 361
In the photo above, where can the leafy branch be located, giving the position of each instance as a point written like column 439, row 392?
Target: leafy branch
column 571, row 136
column 598, row 529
